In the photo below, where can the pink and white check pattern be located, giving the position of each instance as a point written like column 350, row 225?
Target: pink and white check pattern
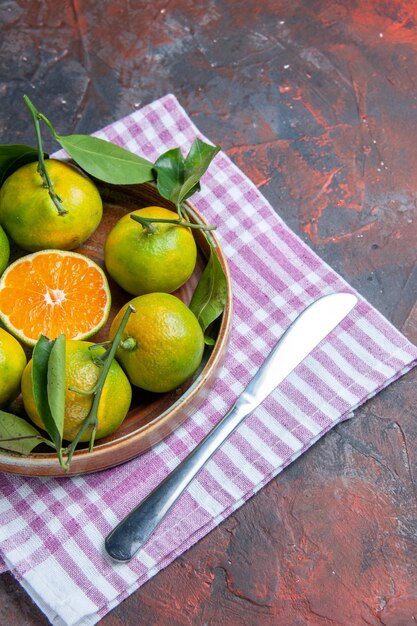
column 52, row 530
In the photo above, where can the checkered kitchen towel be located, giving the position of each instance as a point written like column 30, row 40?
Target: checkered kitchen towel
column 52, row 530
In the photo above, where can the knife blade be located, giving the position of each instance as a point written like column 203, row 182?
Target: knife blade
column 298, row 341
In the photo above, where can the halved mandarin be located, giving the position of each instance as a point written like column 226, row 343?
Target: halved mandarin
column 52, row 292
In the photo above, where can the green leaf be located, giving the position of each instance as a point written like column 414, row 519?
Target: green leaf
column 170, row 174
column 209, row 341
column 210, row 295
column 13, row 156
column 17, row 435
column 107, row 161
column 56, row 383
column 178, row 177
column 40, row 365
column 196, row 164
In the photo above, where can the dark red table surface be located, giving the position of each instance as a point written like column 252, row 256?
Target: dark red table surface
column 316, row 101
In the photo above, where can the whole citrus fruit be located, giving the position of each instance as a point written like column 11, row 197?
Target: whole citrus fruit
column 144, row 260
column 4, row 250
column 162, row 344
column 83, row 373
column 12, row 364
column 51, row 292
column 30, row 217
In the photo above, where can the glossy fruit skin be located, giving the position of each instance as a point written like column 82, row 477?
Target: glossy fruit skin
column 168, row 342
column 30, row 217
column 142, row 262
column 12, row 363
column 83, row 373
column 4, row 250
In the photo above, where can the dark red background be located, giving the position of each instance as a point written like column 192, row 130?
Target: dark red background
column 316, row 101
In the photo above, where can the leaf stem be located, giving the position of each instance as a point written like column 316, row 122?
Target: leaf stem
column 48, row 442
column 146, row 222
column 92, row 437
column 99, row 345
column 49, row 125
column 91, row 419
column 83, row 392
column 48, row 184
column 187, row 212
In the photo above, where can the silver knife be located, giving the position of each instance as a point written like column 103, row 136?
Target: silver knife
column 304, row 334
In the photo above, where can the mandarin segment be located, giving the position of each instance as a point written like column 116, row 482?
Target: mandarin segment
column 52, row 292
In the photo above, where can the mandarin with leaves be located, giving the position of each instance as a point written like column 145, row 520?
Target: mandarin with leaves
column 32, row 219
column 82, row 373
column 155, row 256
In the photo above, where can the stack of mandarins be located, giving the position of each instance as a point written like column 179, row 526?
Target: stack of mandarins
column 54, row 290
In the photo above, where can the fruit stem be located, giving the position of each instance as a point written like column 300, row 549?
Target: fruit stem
column 99, row 345
column 186, row 211
column 91, row 419
column 146, row 223
column 82, row 392
column 128, row 344
column 92, row 437
column 43, row 172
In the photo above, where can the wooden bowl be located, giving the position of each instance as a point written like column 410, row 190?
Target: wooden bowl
column 151, row 416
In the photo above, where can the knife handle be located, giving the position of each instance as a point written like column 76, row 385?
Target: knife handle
column 134, row 530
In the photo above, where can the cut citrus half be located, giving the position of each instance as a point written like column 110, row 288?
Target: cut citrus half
column 52, row 292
